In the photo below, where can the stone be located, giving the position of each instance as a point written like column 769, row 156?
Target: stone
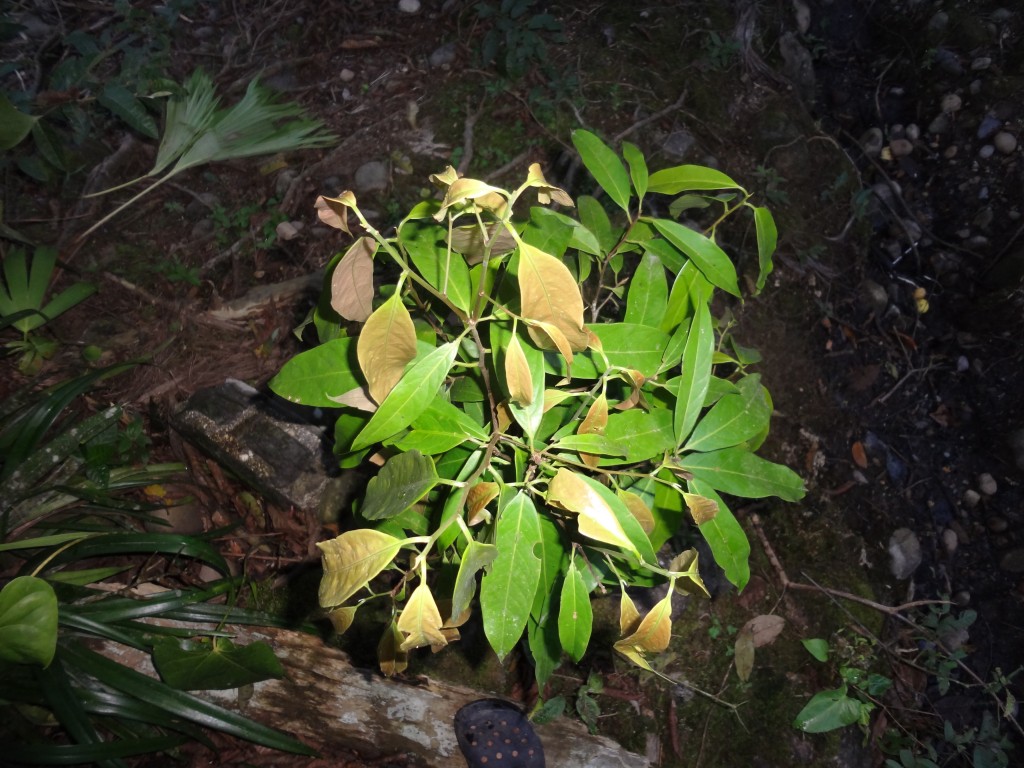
column 347, row 75
column 200, row 206
column 939, row 125
column 950, row 541
column 962, row 598
column 904, row 553
column 409, row 6
column 202, row 228
column 874, row 296
column 871, row 142
column 997, row 524
column 986, row 151
column 980, row 63
column 948, row 61
column 1012, row 561
column 371, row 177
column 283, row 182
column 901, row 147
column 287, row 230
column 988, row 126
column 1005, row 142
column 951, row 103
column 913, row 132
column 270, row 445
column 987, row 484
column 678, row 143
column 443, row 56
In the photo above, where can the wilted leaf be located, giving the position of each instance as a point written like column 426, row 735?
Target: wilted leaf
column 351, row 560
column 333, row 211
column 594, row 423
column 357, row 397
column 517, row 374
column 392, row 659
column 191, row 665
column 629, row 616
column 546, row 191
column 464, row 190
column 596, row 520
column 401, row 482
column 385, row 346
column 575, row 614
column 702, row 508
column 554, row 336
column 472, row 243
column 549, row 294
column 764, row 629
column 654, row 631
column 479, row 496
column 687, row 565
column 352, row 281
column 421, row 621
column 744, row 656
column 341, row 618
column 638, row 509
column 860, row 457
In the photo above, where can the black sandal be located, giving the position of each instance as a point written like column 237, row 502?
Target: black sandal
column 492, row 733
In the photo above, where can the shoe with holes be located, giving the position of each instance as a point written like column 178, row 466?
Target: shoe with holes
column 496, row 734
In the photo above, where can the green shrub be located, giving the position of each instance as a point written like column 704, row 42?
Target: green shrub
column 515, row 439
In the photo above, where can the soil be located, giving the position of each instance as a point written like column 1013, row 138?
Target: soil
column 889, row 331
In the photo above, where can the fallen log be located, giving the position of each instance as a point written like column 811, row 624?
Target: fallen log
column 327, row 703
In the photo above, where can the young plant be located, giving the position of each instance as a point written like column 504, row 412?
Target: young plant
column 22, row 293
column 517, row 440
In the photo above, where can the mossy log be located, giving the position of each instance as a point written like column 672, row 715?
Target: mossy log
column 330, row 705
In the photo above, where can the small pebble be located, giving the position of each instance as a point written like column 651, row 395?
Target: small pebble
column 950, row 540
column 347, row 75
column 962, row 598
column 904, row 553
column 900, row 147
column 971, row 498
column 975, row 87
column 997, row 524
column 962, row 364
column 989, row 125
column 939, row 125
column 1005, row 142
column 950, row 152
column 871, row 142
column 951, row 103
column 982, row 62
column 987, row 484
column 913, row 132
column 409, row 6
column 986, row 152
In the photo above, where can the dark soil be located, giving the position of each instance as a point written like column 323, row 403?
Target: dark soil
column 890, row 330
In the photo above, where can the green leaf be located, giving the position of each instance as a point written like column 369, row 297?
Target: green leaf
column 575, row 614
column 685, row 178
column 626, row 345
column 14, row 125
column 697, row 356
column 739, row 472
column 443, row 268
column 647, row 298
column 725, row 537
column 178, row 703
column 507, row 590
column 733, row 420
column 704, row 252
column 600, row 445
column 214, row 664
column 594, row 222
column 28, row 621
column 817, row 647
column 315, row 376
column 637, row 168
column 767, row 239
column 645, row 434
column 690, row 284
column 604, row 165
column 440, row 428
column 545, row 648
column 668, row 509
column 554, row 555
column 827, row 711
column 402, row 481
column 410, row 397
column 123, row 104
column 475, row 557
column 88, row 754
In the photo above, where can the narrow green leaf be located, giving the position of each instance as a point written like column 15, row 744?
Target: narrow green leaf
column 475, row 557
column 637, row 168
column 316, row 375
column 402, row 481
column 440, row 428
column 604, row 165
column 704, row 252
column 554, row 555
column 78, row 754
column 545, row 648
column 600, row 445
column 733, row 420
column 739, row 472
column 668, row 509
column 507, row 590
column 66, row 299
column 645, row 434
column 647, row 298
column 443, row 268
column 725, row 537
column 697, row 355
column 122, row 103
column 14, row 125
column 28, row 621
column 595, row 222
column 767, row 239
column 178, row 703
column 410, row 397
column 214, row 663
column 575, row 614
column 685, row 178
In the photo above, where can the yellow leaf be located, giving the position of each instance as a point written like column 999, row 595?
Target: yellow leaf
column 655, row 630
column 594, row 423
column 686, row 565
column 351, row 560
column 638, row 509
column 465, row 190
column 333, row 211
column 701, row 507
column 629, row 616
column 385, row 346
column 479, row 496
column 446, row 178
column 392, row 659
column 635, row 655
column 517, row 374
column 549, row 294
column 546, row 191
column 352, row 281
column 595, row 518
column 553, row 336
column 342, row 618
column 743, row 655
column 355, row 398
column 471, row 242
column 421, row 621
column 553, row 397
